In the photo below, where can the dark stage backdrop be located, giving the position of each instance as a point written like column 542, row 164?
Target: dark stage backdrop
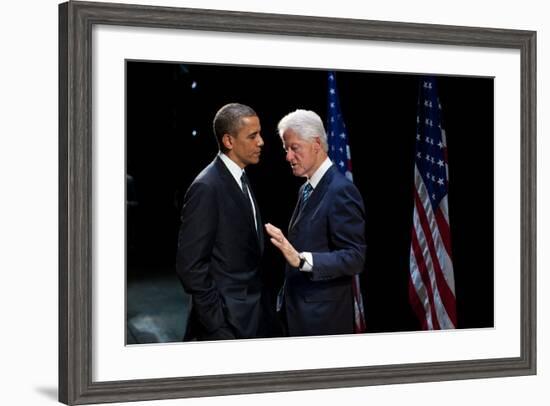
column 170, row 108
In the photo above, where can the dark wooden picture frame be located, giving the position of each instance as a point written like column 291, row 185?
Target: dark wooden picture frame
column 76, row 20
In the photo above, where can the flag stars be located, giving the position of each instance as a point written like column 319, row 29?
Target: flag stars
column 332, row 91
column 343, row 135
column 331, row 77
column 341, row 164
column 332, row 105
column 341, row 150
column 430, row 134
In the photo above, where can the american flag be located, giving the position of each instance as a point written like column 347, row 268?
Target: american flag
column 339, row 153
column 431, row 283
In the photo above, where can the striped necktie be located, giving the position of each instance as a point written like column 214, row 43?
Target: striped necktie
column 306, row 192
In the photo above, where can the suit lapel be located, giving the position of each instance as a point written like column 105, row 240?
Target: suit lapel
column 237, row 195
column 296, row 208
column 234, row 192
column 313, row 200
column 259, row 220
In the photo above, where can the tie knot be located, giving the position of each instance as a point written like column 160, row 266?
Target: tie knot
column 307, row 191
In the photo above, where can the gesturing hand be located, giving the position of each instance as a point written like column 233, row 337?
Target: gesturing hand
column 279, row 240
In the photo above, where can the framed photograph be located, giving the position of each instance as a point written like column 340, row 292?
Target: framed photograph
column 139, row 89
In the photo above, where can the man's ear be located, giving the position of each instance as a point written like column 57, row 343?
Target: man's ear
column 227, row 141
column 317, row 144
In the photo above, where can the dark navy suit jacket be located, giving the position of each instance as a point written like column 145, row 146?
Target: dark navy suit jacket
column 331, row 226
column 218, row 257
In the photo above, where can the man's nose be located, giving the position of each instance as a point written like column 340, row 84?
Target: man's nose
column 288, row 155
column 260, row 141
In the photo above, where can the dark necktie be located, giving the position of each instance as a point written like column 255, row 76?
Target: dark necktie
column 246, row 187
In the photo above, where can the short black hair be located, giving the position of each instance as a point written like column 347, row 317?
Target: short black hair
column 228, row 120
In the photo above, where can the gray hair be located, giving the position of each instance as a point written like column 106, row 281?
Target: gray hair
column 228, row 120
column 306, row 124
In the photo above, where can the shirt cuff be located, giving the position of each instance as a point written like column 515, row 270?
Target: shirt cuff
column 308, row 264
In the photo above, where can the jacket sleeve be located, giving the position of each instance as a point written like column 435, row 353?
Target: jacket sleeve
column 346, row 234
column 196, row 239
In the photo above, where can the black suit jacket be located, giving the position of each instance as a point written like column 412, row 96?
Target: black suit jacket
column 218, row 257
column 331, row 226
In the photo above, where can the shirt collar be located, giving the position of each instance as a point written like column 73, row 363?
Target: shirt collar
column 316, row 177
column 234, row 169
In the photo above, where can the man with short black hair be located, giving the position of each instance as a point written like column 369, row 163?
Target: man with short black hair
column 220, row 241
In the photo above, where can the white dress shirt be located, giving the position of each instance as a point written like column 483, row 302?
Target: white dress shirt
column 314, row 181
column 237, row 172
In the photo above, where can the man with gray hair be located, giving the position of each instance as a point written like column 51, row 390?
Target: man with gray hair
column 326, row 235
column 220, row 242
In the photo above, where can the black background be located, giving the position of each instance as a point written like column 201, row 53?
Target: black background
column 163, row 157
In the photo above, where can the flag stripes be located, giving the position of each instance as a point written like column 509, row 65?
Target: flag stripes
column 432, row 285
